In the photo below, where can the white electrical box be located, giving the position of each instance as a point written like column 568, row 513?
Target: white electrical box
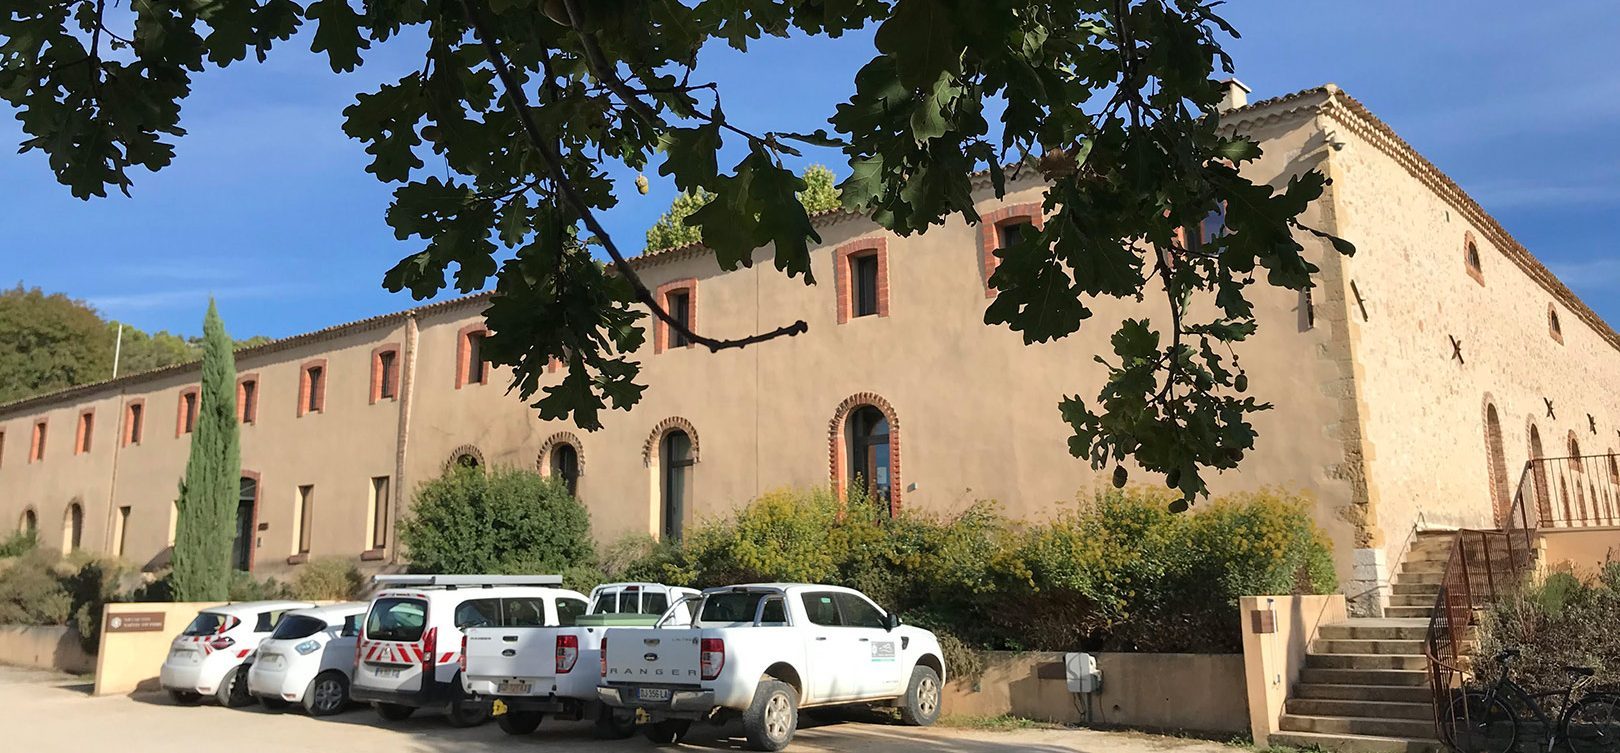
column 1080, row 671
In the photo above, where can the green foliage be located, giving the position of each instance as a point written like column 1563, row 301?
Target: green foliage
column 503, row 520
column 327, row 579
column 1565, row 620
column 208, row 496
column 1119, row 573
column 18, row 544
column 820, row 194
column 49, row 343
column 1117, row 101
column 31, row 593
column 243, row 586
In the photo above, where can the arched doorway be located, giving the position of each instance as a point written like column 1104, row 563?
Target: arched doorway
column 565, row 466
column 675, row 462
column 1501, row 498
column 29, row 524
column 72, row 528
column 866, row 440
column 247, row 504
column 1538, row 477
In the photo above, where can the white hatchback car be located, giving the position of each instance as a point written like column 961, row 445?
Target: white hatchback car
column 210, row 657
column 309, row 659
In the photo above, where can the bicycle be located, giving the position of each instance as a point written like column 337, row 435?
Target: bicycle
column 1485, row 721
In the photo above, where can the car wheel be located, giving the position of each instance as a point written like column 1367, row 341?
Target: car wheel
column 519, row 722
column 668, row 731
column 772, row 718
column 233, row 690
column 920, row 707
column 273, row 704
column 612, row 726
column 185, row 697
column 465, row 713
column 327, row 694
column 394, row 712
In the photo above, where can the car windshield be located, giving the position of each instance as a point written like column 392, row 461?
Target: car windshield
column 731, row 606
column 298, row 626
column 208, row 623
column 396, row 619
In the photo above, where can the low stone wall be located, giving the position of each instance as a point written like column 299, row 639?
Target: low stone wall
column 45, row 647
column 1162, row 692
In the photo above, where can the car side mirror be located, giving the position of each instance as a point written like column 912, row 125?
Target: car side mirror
column 891, row 621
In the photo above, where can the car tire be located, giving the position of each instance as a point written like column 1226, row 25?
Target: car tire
column 519, row 722
column 465, row 713
column 668, row 731
column 394, row 712
column 185, row 697
column 773, row 717
column 327, row 694
column 920, row 706
column 273, row 704
column 611, row 726
column 233, row 690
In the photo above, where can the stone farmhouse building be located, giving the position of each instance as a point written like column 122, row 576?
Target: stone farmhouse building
column 1412, row 384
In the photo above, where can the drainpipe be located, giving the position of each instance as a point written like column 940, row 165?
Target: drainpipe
column 407, row 389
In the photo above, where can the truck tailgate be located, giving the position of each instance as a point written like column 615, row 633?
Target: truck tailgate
column 516, row 661
column 657, row 656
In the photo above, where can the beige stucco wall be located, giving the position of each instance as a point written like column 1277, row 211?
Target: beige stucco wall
column 130, row 661
column 46, row 647
column 1273, row 660
column 1172, row 692
column 1585, row 551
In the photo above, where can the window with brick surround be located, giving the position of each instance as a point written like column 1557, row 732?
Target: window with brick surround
column 186, row 418
column 87, row 426
column 1195, row 237
column 36, row 444
column 1002, row 228
column 312, row 387
column 680, row 299
column 1471, row 260
column 864, row 439
column 2, row 449
column 862, row 279
column 134, row 418
column 247, row 399
column 1554, row 328
column 385, row 373
column 471, row 368
column 377, row 514
column 303, row 519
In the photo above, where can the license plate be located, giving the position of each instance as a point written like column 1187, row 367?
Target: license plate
column 184, row 656
column 270, row 660
column 387, row 673
column 652, row 694
column 513, row 687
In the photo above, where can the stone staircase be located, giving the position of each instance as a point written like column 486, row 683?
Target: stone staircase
column 1365, row 685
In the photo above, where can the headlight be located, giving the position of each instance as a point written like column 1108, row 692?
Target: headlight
column 307, row 647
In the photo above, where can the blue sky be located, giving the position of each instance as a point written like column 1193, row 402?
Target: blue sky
column 268, row 208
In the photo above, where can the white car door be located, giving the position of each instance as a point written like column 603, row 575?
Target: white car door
column 874, row 664
column 833, row 652
column 339, row 651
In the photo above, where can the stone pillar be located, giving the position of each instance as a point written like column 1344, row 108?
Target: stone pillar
column 1368, row 589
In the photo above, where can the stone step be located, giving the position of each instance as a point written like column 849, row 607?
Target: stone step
column 1435, row 578
column 1356, row 708
column 1423, row 566
column 1355, row 743
column 1384, row 628
column 1401, row 611
column 1411, row 600
column 1348, row 725
column 1367, row 646
column 1386, row 677
column 1366, row 661
column 1430, row 589
column 1380, row 693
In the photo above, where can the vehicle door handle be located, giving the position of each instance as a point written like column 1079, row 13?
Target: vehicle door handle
column 864, row 640
column 821, row 637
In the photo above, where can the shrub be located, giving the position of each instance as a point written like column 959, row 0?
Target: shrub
column 1561, row 621
column 18, row 544
column 244, row 587
column 327, row 579
column 503, row 520
column 31, row 593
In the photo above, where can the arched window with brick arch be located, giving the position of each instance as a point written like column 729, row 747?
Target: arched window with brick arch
column 1496, row 463
column 72, row 527
column 863, row 441
column 1554, row 327
column 561, row 457
column 465, row 456
column 1003, row 228
column 1538, row 476
column 1471, row 260
column 671, row 455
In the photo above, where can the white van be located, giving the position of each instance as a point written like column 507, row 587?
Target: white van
column 211, row 656
column 409, row 654
column 309, row 659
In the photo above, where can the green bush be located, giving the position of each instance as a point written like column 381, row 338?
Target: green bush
column 503, row 520
column 1562, row 621
column 31, row 592
column 327, row 579
column 245, row 587
column 19, row 543
column 1118, row 573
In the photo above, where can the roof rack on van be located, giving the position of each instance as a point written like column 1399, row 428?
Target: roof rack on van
column 466, row 581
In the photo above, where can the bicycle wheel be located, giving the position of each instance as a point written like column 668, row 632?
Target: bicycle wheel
column 1593, row 725
column 1478, row 723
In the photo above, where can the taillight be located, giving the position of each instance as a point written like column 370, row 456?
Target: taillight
column 567, row 653
column 462, row 662
column 603, row 654
column 714, row 657
column 430, row 650
column 221, row 643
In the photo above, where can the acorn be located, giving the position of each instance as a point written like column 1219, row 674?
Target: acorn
column 1178, row 506
column 1241, row 383
column 641, row 184
column 1119, row 477
column 1173, row 478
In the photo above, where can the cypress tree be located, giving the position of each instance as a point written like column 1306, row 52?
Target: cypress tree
column 205, row 529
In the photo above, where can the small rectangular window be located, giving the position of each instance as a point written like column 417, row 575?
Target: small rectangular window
column 864, row 270
column 120, row 530
column 249, row 412
column 680, row 309
column 477, row 370
column 377, row 520
column 314, row 376
column 87, row 425
column 385, row 374
column 1011, row 233
column 188, row 412
column 132, row 423
column 303, row 518
column 36, row 449
column 2, row 449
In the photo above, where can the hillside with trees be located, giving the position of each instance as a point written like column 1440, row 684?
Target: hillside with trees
column 50, row 342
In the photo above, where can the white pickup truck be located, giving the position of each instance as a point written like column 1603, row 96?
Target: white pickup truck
column 765, row 651
column 536, row 670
